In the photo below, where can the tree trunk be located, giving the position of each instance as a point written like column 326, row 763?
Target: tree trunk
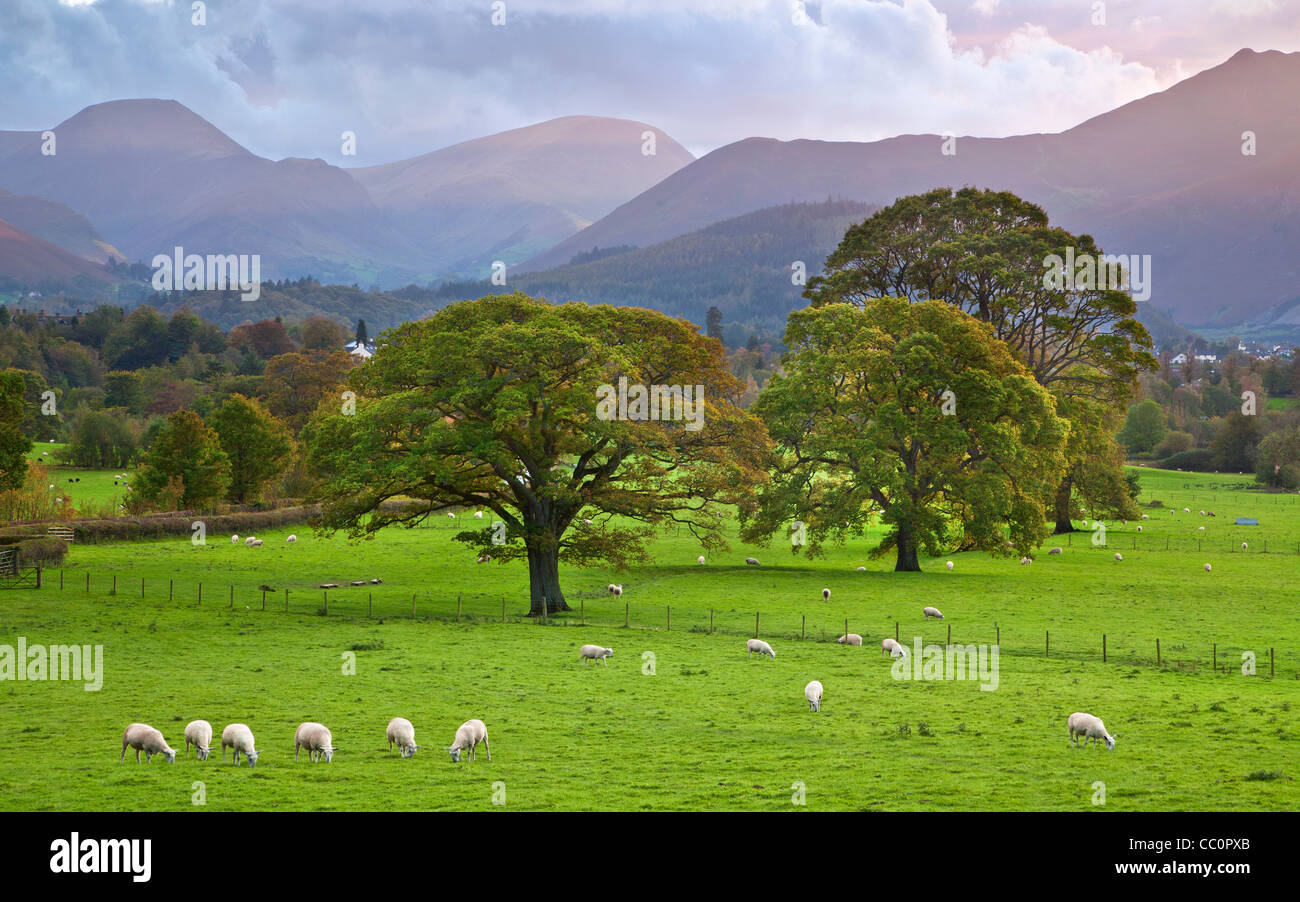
column 1063, row 492
column 544, row 581
column 907, row 560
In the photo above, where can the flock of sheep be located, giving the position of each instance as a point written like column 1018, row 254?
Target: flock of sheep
column 314, row 737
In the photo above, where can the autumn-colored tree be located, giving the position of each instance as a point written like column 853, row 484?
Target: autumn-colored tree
column 258, row 445
column 295, row 384
column 320, row 333
column 503, row 404
column 267, row 337
column 185, row 456
column 914, row 414
column 14, row 444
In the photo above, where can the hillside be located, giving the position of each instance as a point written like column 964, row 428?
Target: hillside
column 28, row 262
column 58, row 224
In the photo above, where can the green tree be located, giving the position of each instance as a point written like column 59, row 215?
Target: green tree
column 1277, row 464
column 258, row 445
column 1236, row 443
column 1144, row 428
column 713, row 323
column 101, row 439
column 914, row 414
column 990, row 253
column 320, row 333
column 185, row 453
column 502, row 403
column 14, row 444
column 362, row 335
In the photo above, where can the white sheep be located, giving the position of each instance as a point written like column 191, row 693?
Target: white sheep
column 864, row 569
column 1026, row 560
column 826, row 594
column 1202, row 513
column 751, row 561
column 249, row 541
column 615, row 590
column 1089, row 727
column 813, row 692
column 234, row 539
column 1057, row 550
column 402, row 732
column 257, row 543
column 948, row 565
column 240, row 738
column 1146, row 516
column 1207, row 568
column 1187, row 510
column 198, row 732
column 758, row 645
column 468, row 736
column 451, row 515
column 1200, row 529
column 316, row 739
column 850, row 639
column 478, row 515
column 930, row 612
column 586, row 521
column 291, row 540
column 144, row 738
column 892, row 648
column 700, row 559
column 1243, row 546
column 599, row 653
column 1118, row 556
column 1139, row 529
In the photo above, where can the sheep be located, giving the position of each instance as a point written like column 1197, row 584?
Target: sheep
column 483, row 558
column 1089, row 727
column 826, row 594
column 198, row 732
column 1146, row 516
column 864, row 569
column 468, row 736
column 700, row 559
column 595, row 653
column 401, row 732
column 930, row 612
column 1200, row 529
column 234, row 540
column 586, row 521
column 892, row 648
column 1187, row 510
column 850, row 639
column 257, row 543
column 291, row 540
column 1057, row 550
column 813, row 692
column 758, row 645
column 1202, row 513
column 1026, row 560
column 1118, row 556
column 1210, row 514
column 615, row 590
column 751, row 561
column 478, row 515
column 948, row 565
column 144, row 738
column 240, row 738
column 1243, row 546
column 451, row 515
column 249, row 541
column 1207, row 568
column 316, row 739
column 1139, row 529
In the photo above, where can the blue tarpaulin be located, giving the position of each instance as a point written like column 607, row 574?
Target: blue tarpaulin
column 1247, row 521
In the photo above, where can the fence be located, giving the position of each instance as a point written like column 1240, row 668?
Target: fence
column 598, row 610
column 1124, row 541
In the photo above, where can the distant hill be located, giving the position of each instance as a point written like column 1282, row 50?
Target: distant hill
column 743, row 266
column 511, row 195
column 30, row 263
column 58, row 224
column 1164, row 175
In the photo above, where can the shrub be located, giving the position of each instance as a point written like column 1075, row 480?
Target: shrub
column 46, row 551
column 1196, row 459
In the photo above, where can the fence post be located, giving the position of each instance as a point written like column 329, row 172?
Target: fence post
column 114, row 592
column 1271, row 663
column 263, row 599
column 457, row 608
column 171, row 588
column 756, row 624
column 1103, row 648
column 413, row 605
column 232, row 597
column 895, row 630
column 38, row 576
column 1047, row 646
column 200, row 594
column 950, row 635
column 503, row 609
column 998, row 640
column 670, row 618
column 142, row 587
column 627, row 614
column 846, row 631
column 803, row 625
column 60, row 580
column 325, row 599
column 710, row 621
column 1157, row 652
column 1216, row 657
column 87, row 580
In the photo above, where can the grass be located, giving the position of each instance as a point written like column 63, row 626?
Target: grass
column 710, row 729
column 97, row 492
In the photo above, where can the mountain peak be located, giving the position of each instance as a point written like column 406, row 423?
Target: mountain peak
column 147, row 124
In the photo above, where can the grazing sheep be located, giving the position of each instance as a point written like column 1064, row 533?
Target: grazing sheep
column 316, row 739
column 144, row 738
column 1089, row 727
column 595, row 652
column 257, row 543
column 1085, row 522
column 1139, row 529
column 451, row 515
column 813, row 692
column 864, row 569
column 1207, row 568
column 198, row 732
column 291, row 540
column 1118, row 556
column 1146, row 516
column 892, row 648
column 249, row 541
column 483, row 558
column 1202, row 513
column 1243, row 546
column 1056, row 550
column 234, row 539
column 1200, row 529
column 700, row 559
column 586, row 522
column 240, row 738
column 468, row 736
column 1026, row 560
column 826, row 594
column 850, row 639
column 616, row 591
column 1210, row 514
column 751, row 561
column 401, row 731
column 758, row 645
column 1187, row 510
column 930, row 612
column 478, row 515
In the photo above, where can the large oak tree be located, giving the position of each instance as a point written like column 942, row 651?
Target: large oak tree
column 493, row 404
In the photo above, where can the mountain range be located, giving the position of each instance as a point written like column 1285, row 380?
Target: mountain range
column 1165, row 175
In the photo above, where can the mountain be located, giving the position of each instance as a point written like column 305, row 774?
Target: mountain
column 30, row 263
column 511, row 195
column 1164, row 175
column 742, row 266
column 56, row 223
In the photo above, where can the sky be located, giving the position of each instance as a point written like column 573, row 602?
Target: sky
column 288, row 77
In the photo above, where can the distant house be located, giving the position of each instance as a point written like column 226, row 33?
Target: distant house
column 1178, row 359
column 363, row 349
column 1207, row 358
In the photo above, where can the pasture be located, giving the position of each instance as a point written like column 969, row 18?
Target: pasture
column 710, row 728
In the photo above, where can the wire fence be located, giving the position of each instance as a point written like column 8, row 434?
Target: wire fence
column 367, row 601
column 1233, row 544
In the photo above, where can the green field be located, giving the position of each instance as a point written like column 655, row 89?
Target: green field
column 97, row 492
column 710, row 728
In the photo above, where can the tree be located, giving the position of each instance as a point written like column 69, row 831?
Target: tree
column 503, row 403
column 362, row 336
column 14, row 445
column 1236, row 443
column 912, row 413
column 992, row 254
column 713, row 323
column 267, row 337
column 101, row 439
column 1144, row 428
column 139, row 341
column 1277, row 464
column 320, row 333
column 258, row 445
column 295, row 384
column 186, row 454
